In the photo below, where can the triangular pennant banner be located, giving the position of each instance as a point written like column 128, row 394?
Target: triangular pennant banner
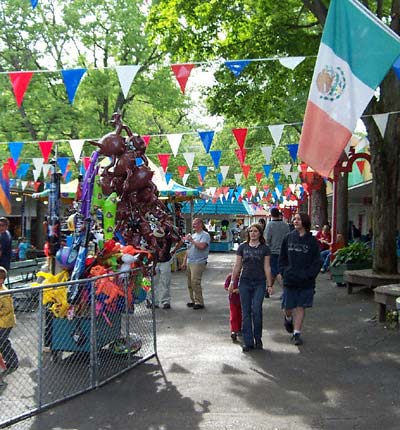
column 182, row 170
column 34, row 3
column 126, row 75
column 46, row 169
column 224, row 171
column 22, row 170
column 381, row 120
column 236, row 67
column 164, row 160
column 72, row 79
column 276, row 132
column 189, row 158
column 286, row 169
column 238, row 178
column 174, row 141
column 185, row 178
column 294, row 176
column 45, row 148
column 216, row 157
column 259, row 176
column 182, row 73
column 293, row 148
column 267, row 169
column 291, row 62
column 15, row 149
column 361, row 165
column 13, row 166
column 36, row 174
column 220, row 178
column 68, row 176
column 62, row 164
column 240, row 136
column 267, row 151
column 253, row 190
column 168, row 177
column 76, row 147
column 37, row 163
column 246, row 170
column 20, row 82
column 241, row 155
column 206, row 138
column 85, row 162
column 24, row 184
column 36, row 186
column 146, row 139
column 202, row 171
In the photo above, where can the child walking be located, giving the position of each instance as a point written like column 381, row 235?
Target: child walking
column 235, row 309
column 7, row 322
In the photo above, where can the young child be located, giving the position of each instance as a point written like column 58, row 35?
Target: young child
column 7, row 322
column 235, row 310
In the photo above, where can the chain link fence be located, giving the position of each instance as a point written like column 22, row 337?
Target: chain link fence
column 64, row 350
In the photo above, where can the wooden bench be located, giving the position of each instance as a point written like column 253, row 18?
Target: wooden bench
column 386, row 296
column 367, row 278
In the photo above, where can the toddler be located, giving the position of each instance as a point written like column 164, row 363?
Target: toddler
column 235, row 309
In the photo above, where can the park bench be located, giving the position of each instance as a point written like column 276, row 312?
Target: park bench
column 20, row 275
column 367, row 278
column 386, row 296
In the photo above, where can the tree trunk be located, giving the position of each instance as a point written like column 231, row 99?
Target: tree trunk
column 319, row 206
column 342, row 218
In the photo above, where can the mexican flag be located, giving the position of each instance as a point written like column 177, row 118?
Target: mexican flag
column 356, row 52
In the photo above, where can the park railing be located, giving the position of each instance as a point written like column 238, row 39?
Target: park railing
column 64, row 350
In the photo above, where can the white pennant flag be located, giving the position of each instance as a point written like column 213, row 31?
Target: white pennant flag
column 286, row 169
column 292, row 188
column 381, row 120
column 276, row 132
column 362, row 144
column 221, row 198
column 212, row 191
column 174, row 142
column 224, row 171
column 261, row 194
column 76, row 147
column 38, row 163
column 46, row 168
column 126, row 75
column 291, row 62
column 24, row 184
column 189, row 158
column 185, row 178
column 253, row 189
column 238, row 177
column 267, row 151
column 278, row 193
column 36, row 174
column 294, row 176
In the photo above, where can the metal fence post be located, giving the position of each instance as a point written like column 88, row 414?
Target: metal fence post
column 40, row 350
column 94, row 357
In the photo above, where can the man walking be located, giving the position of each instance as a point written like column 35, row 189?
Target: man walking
column 275, row 232
column 5, row 243
column 195, row 261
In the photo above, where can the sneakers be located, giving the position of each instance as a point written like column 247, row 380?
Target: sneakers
column 166, row 306
column 190, row 304
column 259, row 344
column 288, row 325
column 246, row 348
column 297, row 340
column 197, row 306
column 149, row 305
column 234, row 336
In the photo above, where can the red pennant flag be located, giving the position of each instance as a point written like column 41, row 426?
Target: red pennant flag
column 182, row 170
column 182, row 73
column 259, row 176
column 86, row 162
column 164, row 160
column 46, row 147
column 20, row 82
column 240, row 135
column 6, row 169
column 249, row 195
column 146, row 139
column 200, row 180
column 13, row 165
column 240, row 199
column 361, row 165
column 303, row 167
column 246, row 170
column 241, row 155
column 36, row 186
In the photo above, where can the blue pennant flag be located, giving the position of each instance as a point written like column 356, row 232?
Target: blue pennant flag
column 267, row 169
column 34, row 3
column 207, row 138
column 216, row 157
column 168, row 177
column 293, row 148
column 236, row 67
column 239, row 189
column 71, row 79
column 237, row 195
column 220, row 178
column 62, row 164
column 276, row 177
column 280, row 188
column 22, row 170
column 230, row 193
column 202, row 171
column 68, row 176
column 15, row 149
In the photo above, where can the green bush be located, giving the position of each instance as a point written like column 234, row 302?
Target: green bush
column 357, row 252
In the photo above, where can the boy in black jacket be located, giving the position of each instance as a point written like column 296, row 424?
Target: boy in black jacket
column 299, row 264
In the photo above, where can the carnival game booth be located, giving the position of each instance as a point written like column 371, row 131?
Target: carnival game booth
column 222, row 218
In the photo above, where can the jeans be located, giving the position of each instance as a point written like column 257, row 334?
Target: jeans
column 162, row 283
column 325, row 257
column 251, row 298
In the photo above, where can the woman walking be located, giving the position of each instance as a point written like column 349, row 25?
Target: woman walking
column 253, row 266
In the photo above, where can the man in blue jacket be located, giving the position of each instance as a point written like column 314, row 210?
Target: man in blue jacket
column 299, row 264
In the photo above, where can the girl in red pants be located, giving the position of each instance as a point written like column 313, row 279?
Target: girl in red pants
column 235, row 310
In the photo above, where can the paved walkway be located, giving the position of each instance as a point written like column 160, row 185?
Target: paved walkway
column 345, row 376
